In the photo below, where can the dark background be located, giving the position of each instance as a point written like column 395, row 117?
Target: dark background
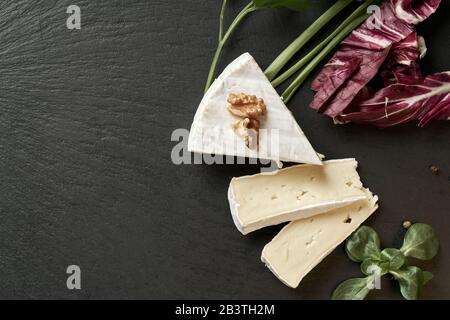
column 86, row 176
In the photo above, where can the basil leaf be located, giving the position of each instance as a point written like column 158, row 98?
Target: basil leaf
column 394, row 258
column 420, row 242
column 373, row 267
column 353, row 289
column 363, row 244
column 290, row 4
column 411, row 280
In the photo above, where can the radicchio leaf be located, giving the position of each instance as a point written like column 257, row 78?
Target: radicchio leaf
column 363, row 53
column 404, row 52
column 396, row 21
column 343, row 77
column 398, row 74
column 425, row 100
column 400, row 65
column 408, row 95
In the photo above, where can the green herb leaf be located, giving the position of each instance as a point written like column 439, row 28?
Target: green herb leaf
column 372, row 267
column 427, row 276
column 290, row 4
column 363, row 244
column 411, row 280
column 394, row 258
column 420, row 242
column 353, row 289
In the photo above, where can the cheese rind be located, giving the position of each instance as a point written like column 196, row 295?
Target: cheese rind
column 303, row 244
column 293, row 193
column 280, row 138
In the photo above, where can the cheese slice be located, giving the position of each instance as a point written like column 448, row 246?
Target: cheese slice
column 293, row 193
column 280, row 138
column 303, row 244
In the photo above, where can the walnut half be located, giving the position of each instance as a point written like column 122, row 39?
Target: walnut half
column 246, row 106
column 248, row 129
column 249, row 108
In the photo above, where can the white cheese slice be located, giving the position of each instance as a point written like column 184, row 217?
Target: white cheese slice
column 293, row 193
column 303, row 244
column 280, row 139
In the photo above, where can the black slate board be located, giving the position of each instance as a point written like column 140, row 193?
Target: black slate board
column 85, row 143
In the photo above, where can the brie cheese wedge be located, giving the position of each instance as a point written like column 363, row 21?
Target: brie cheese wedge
column 293, row 193
column 303, row 244
column 280, row 137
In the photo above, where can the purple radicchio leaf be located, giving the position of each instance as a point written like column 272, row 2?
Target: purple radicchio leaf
column 398, row 74
column 406, row 51
column 408, row 95
column 400, row 65
column 368, row 46
column 343, row 77
column 425, row 100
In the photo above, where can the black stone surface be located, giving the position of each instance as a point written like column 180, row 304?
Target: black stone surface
column 86, row 119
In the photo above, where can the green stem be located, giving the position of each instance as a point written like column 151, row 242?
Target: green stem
column 395, row 274
column 222, row 14
column 289, row 73
column 248, row 9
column 295, row 85
column 273, row 70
